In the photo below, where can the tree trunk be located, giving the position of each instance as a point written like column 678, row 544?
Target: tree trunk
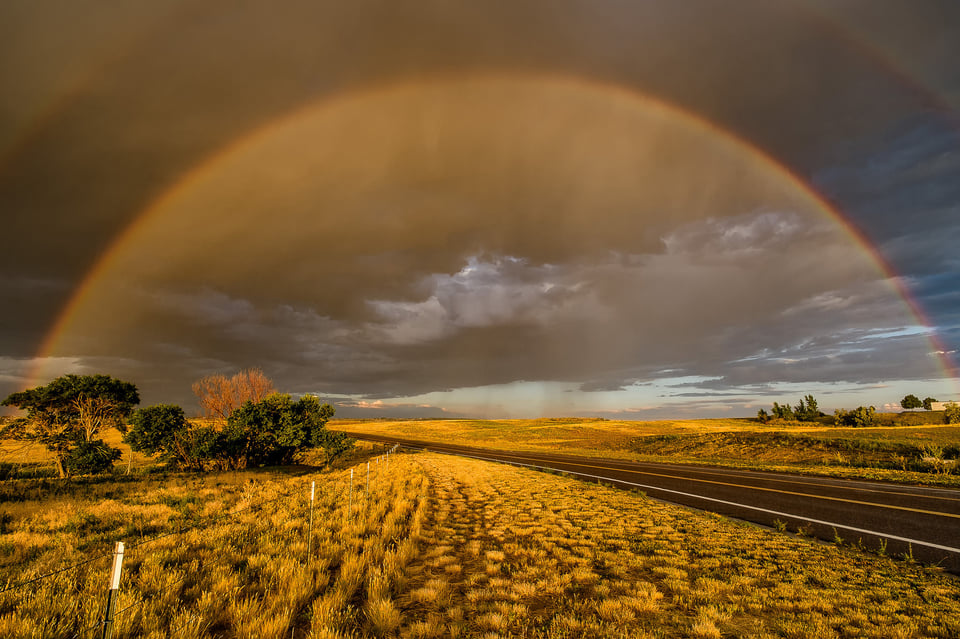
column 61, row 467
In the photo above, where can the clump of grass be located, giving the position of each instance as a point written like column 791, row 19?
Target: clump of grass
column 383, row 618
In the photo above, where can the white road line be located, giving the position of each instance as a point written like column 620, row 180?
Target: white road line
column 718, row 501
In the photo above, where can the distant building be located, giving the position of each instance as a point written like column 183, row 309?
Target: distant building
column 938, row 405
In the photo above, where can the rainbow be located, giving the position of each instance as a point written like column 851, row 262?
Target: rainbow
column 207, row 166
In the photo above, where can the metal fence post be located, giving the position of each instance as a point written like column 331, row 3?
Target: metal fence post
column 366, row 491
column 112, row 592
column 350, row 500
column 313, row 486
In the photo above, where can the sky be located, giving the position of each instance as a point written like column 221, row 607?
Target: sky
column 605, row 208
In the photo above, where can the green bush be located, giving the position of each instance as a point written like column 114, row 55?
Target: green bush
column 163, row 430
column 860, row 417
column 807, row 410
column 273, row 430
column 951, row 413
column 782, row 411
column 91, row 458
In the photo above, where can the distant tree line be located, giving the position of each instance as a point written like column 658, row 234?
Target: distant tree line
column 807, row 410
column 251, row 424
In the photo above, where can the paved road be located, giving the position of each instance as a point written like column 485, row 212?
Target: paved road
column 908, row 519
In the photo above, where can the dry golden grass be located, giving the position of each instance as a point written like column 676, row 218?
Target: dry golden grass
column 889, row 453
column 552, row 557
column 443, row 547
column 578, row 436
column 244, row 575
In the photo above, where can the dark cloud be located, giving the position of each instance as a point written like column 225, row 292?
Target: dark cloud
column 426, row 232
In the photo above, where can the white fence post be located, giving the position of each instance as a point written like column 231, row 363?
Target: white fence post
column 313, row 486
column 350, row 500
column 112, row 592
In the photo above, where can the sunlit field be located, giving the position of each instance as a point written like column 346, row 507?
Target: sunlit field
column 27, row 459
column 587, row 436
column 211, row 555
column 440, row 547
column 925, row 454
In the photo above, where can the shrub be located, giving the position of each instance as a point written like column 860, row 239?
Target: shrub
column 782, row 412
column 951, row 413
column 859, row 417
column 91, row 458
column 271, row 431
column 807, row 410
column 164, row 430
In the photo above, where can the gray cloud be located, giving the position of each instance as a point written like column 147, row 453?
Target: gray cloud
column 451, row 234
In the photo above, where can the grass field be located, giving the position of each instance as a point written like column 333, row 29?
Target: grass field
column 35, row 456
column 923, row 454
column 588, row 436
column 443, row 547
column 237, row 569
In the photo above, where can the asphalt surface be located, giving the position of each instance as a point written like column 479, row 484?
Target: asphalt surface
column 904, row 520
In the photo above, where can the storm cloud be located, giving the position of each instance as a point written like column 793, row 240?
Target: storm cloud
column 431, row 206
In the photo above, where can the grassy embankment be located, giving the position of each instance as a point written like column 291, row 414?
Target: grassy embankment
column 924, row 454
column 444, row 547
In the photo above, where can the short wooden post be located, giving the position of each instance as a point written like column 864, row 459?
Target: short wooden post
column 112, row 592
column 313, row 486
column 366, row 491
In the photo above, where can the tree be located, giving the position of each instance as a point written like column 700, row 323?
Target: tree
column 807, row 410
column 164, row 430
column 69, row 412
column 951, row 413
column 859, row 417
column 910, row 402
column 762, row 416
column 928, row 403
column 333, row 443
column 782, row 412
column 271, row 431
column 220, row 396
